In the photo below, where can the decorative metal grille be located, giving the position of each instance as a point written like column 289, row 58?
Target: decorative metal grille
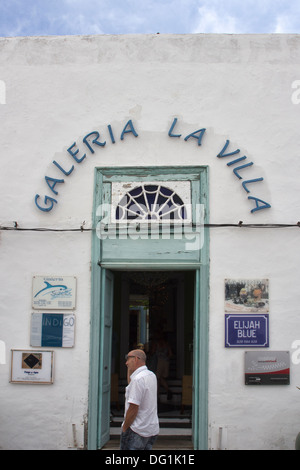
column 151, row 202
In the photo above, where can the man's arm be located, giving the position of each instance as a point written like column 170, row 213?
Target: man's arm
column 130, row 416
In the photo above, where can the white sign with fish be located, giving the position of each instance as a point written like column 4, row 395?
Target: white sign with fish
column 54, row 292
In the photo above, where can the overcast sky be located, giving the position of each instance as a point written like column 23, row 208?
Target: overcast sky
column 83, row 17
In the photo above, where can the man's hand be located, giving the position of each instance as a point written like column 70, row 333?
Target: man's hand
column 130, row 416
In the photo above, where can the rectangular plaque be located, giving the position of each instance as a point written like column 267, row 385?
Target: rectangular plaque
column 31, row 367
column 246, row 331
column 54, row 292
column 54, row 330
column 267, row 368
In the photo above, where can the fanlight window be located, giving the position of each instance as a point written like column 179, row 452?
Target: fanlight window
column 151, row 202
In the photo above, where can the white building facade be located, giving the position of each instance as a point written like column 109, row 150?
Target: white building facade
column 186, row 147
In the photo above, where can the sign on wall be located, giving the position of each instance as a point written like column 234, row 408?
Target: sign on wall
column 267, row 368
column 246, row 331
column 54, row 330
column 32, row 367
column 54, row 292
column 92, row 142
column 247, row 296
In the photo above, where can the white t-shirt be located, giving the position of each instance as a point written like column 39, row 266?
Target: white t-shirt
column 142, row 391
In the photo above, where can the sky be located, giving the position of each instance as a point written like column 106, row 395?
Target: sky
column 89, row 17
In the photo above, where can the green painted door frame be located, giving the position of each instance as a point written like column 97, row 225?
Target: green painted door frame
column 104, row 263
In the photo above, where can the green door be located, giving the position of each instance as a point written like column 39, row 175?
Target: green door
column 100, row 363
column 200, row 360
column 106, row 317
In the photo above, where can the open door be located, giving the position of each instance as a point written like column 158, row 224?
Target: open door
column 106, row 316
column 200, row 362
column 196, row 365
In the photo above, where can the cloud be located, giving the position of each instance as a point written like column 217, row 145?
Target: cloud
column 78, row 24
column 40, row 17
column 55, row 17
column 287, row 23
column 83, row 17
column 213, row 21
column 248, row 16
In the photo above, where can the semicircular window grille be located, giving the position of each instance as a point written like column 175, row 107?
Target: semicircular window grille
column 151, row 202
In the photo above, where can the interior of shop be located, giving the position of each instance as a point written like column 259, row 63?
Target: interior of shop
column 153, row 311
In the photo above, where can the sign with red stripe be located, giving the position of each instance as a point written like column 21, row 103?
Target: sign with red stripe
column 267, row 368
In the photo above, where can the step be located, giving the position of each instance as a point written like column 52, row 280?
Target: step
column 164, row 423
column 178, row 443
column 183, row 433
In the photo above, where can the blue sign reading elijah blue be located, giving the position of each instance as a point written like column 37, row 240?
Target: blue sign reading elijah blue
column 246, row 331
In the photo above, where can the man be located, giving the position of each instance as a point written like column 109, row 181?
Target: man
column 140, row 426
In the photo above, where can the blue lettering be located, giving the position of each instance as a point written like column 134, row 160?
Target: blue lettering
column 94, row 141
column 265, row 205
column 112, row 137
column 244, row 184
column 67, row 173
column 47, row 198
column 130, row 129
column 172, row 128
column 73, row 154
column 93, row 138
column 52, row 182
column 222, row 154
column 235, row 171
column 258, row 202
column 196, row 136
column 236, row 161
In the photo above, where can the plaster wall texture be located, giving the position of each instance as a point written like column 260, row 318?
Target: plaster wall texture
column 59, row 89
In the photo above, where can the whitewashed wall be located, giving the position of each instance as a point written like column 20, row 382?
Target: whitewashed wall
column 57, row 90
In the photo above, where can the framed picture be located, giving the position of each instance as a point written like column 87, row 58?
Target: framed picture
column 247, row 296
column 31, row 367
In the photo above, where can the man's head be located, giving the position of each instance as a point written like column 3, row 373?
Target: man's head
column 135, row 359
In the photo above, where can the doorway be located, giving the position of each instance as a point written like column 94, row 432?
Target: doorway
column 142, row 249
column 154, row 311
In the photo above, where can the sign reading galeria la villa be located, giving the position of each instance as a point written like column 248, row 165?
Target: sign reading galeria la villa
column 93, row 142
